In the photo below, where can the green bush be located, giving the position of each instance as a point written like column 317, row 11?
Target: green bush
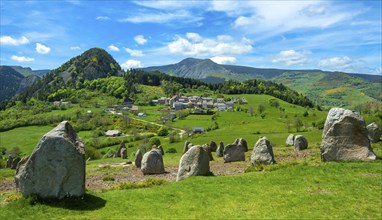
column 163, row 131
column 171, row 150
column 92, row 153
column 108, row 178
column 154, row 141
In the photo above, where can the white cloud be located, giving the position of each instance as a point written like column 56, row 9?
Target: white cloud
column 75, row 48
column 221, row 46
column 171, row 5
column 134, row 53
column 224, row 60
column 42, row 49
column 336, row 62
column 195, row 37
column 129, row 64
column 140, row 39
column 102, row 18
column 8, row 40
column 181, row 16
column 291, row 57
column 22, row 59
column 113, row 48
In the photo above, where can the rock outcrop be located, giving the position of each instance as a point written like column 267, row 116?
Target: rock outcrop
column 262, row 152
column 233, row 152
column 344, row 137
column 152, row 162
column 374, row 132
column 56, row 167
column 290, row 140
column 300, row 143
column 195, row 162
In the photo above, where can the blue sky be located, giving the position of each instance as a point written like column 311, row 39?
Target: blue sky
column 329, row 35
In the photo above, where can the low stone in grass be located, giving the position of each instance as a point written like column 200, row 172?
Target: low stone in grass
column 138, row 158
column 220, row 150
column 56, row 167
column 233, row 152
column 374, row 132
column 290, row 140
column 195, row 162
column 345, row 137
column 152, row 162
column 300, row 143
column 213, row 146
column 242, row 142
column 262, row 152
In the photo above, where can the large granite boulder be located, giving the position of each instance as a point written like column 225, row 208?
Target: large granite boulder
column 195, row 162
column 56, row 167
column 345, row 137
column 213, row 146
column 300, row 143
column 138, row 158
column 262, row 152
column 373, row 132
column 290, row 140
column 220, row 150
column 242, row 142
column 233, row 152
column 152, row 162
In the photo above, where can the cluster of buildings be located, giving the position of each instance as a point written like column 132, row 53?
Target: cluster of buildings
column 180, row 102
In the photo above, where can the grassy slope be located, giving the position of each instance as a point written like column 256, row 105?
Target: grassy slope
column 325, row 190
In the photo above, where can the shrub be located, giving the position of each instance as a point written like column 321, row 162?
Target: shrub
column 154, row 141
column 163, row 131
column 171, row 150
column 147, row 183
column 108, row 178
column 92, row 153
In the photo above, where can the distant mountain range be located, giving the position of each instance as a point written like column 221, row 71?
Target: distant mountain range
column 324, row 87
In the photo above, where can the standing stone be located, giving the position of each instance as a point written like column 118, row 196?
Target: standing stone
column 220, row 150
column 290, row 140
column 56, row 167
column 374, row 133
column 160, row 149
column 345, row 137
column 233, row 152
column 118, row 153
column 9, row 162
column 213, row 146
column 207, row 148
column 138, row 158
column 242, row 142
column 152, row 163
column 123, row 153
column 15, row 162
column 185, row 147
column 195, row 162
column 300, row 143
column 262, row 152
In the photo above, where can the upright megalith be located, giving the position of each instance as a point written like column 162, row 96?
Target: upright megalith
column 207, row 148
column 56, row 167
column 220, row 150
column 290, row 140
column 152, row 162
column 138, row 158
column 195, row 162
column 213, row 146
column 233, row 152
column 242, row 142
column 374, row 132
column 345, row 137
column 262, row 152
column 185, row 146
column 300, row 143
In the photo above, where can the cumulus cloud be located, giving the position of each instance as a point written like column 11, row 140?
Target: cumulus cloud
column 102, row 18
column 224, row 60
column 22, row 59
column 8, row 40
column 140, row 39
column 42, row 49
column 75, row 48
column 182, row 16
column 131, row 64
column 291, row 57
column 223, row 46
column 134, row 53
column 336, row 62
column 113, row 48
